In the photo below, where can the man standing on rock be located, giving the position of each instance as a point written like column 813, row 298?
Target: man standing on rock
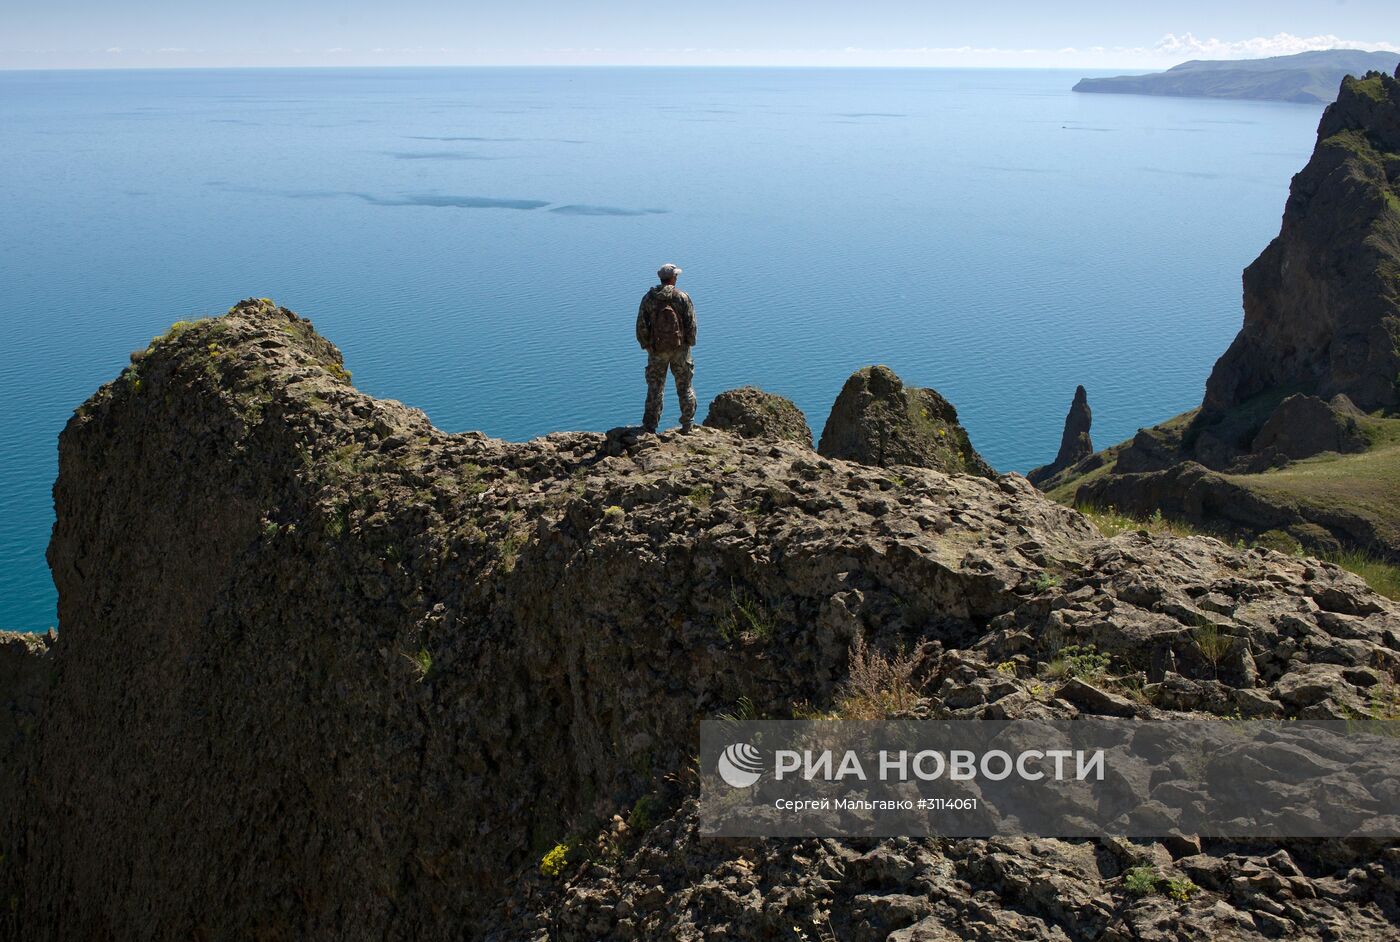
column 666, row 331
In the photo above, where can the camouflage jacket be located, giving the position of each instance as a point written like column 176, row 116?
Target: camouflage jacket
column 657, row 298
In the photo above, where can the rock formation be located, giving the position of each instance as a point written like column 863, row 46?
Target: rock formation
column 1303, row 426
column 324, row 671
column 1322, row 303
column 1075, row 443
column 878, row 420
column 753, row 413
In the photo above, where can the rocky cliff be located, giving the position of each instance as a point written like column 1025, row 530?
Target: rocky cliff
column 1312, row 376
column 325, row 671
column 1322, row 302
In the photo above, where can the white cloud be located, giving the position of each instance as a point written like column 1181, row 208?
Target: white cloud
column 1260, row 47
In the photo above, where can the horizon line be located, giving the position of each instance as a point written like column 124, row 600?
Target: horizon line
column 579, row 65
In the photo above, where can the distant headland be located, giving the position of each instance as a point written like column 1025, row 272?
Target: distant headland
column 1308, row 77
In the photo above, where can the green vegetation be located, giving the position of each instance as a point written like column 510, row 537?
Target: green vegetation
column 1213, row 643
column 1112, row 522
column 1364, row 484
column 553, row 862
column 647, row 813
column 614, row 512
column 422, row 663
column 1142, row 881
column 337, row 522
column 701, row 495
column 1045, row 581
column 1075, row 660
column 508, row 550
column 1380, row 575
column 746, row 617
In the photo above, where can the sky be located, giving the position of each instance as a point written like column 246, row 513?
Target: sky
column 1089, row 34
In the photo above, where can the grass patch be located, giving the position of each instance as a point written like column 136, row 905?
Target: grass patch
column 1213, row 643
column 1112, row 522
column 508, row 550
column 701, row 496
column 1380, row 575
column 1364, row 484
column 746, row 617
column 422, row 663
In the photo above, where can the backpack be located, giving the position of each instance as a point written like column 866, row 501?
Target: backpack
column 667, row 334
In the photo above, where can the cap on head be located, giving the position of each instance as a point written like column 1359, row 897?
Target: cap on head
column 668, row 271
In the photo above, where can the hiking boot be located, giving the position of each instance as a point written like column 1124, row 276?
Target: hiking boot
column 648, row 429
column 687, row 428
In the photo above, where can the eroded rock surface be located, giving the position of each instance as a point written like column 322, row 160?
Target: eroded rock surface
column 753, row 413
column 326, row 671
column 877, row 420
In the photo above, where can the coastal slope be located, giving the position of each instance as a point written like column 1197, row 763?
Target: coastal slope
column 1307, row 77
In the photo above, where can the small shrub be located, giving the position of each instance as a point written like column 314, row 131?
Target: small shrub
column 1007, row 668
column 646, row 814
column 1074, row 660
column 1045, row 581
column 553, row 863
column 877, row 685
column 1140, row 881
column 1180, row 889
column 614, row 512
column 701, row 495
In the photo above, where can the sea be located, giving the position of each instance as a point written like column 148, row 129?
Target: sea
column 476, row 241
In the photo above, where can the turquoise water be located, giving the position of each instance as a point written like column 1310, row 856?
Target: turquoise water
column 476, row 241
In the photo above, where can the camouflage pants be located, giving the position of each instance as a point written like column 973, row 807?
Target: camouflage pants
column 682, row 367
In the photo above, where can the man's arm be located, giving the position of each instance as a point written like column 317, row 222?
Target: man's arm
column 643, row 324
column 690, row 324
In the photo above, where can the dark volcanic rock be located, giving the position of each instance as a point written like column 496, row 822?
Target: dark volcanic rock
column 1075, row 443
column 753, row 413
column 1303, row 426
column 325, row 671
column 878, row 420
column 1322, row 303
